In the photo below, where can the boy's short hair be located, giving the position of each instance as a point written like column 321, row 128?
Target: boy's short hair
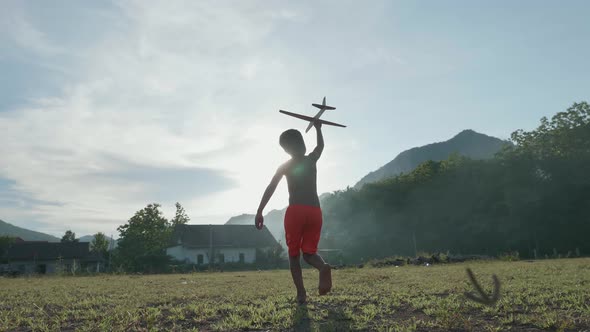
column 292, row 141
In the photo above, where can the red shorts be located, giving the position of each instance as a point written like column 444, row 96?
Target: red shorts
column 303, row 224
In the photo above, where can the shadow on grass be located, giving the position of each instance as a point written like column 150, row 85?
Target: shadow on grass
column 336, row 320
column 301, row 320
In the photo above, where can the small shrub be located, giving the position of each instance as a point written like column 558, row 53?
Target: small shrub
column 510, row 256
column 388, row 261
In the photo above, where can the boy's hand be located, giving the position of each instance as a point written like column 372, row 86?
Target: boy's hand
column 259, row 221
column 317, row 125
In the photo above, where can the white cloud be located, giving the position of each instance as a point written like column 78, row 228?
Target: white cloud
column 168, row 85
column 194, row 86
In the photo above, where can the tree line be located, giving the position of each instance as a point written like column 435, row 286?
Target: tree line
column 532, row 198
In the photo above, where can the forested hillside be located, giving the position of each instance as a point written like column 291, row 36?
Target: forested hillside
column 467, row 143
column 534, row 197
column 25, row 234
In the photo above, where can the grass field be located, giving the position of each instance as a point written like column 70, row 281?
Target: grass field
column 540, row 295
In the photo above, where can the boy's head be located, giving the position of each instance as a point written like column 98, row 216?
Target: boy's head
column 292, row 141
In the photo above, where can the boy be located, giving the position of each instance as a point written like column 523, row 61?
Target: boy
column 303, row 219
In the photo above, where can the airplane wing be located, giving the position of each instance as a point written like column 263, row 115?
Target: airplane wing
column 299, row 116
column 324, row 107
column 331, row 123
column 309, row 118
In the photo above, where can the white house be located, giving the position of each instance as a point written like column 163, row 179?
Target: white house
column 42, row 257
column 200, row 244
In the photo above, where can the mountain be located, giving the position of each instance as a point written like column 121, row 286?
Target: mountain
column 273, row 220
column 25, row 234
column 467, row 143
column 242, row 219
column 89, row 238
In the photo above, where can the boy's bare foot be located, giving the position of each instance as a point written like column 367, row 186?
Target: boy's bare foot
column 301, row 299
column 325, row 279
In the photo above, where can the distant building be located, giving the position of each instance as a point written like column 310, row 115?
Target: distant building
column 28, row 257
column 202, row 244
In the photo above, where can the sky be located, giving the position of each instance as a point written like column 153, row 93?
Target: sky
column 107, row 106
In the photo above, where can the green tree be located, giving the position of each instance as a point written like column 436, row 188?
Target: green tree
column 565, row 135
column 5, row 242
column 533, row 198
column 100, row 244
column 143, row 240
column 553, row 161
column 69, row 237
column 180, row 218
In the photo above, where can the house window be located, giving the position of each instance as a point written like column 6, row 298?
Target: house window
column 199, row 259
column 242, row 258
column 221, row 258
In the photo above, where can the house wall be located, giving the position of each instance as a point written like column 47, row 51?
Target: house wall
column 28, row 267
column 230, row 254
column 49, row 267
column 188, row 254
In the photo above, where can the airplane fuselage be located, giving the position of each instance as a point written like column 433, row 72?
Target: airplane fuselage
column 323, row 107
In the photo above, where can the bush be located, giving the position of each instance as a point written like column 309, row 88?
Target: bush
column 388, row 261
column 510, row 256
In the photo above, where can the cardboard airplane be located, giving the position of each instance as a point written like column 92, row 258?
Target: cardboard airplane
column 323, row 107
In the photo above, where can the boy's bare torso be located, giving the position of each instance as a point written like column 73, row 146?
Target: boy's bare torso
column 301, row 174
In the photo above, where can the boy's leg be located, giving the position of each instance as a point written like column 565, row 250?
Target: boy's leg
column 293, row 236
column 317, row 261
column 314, row 260
column 311, row 238
column 297, row 278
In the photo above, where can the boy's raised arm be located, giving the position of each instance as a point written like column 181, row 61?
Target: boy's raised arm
column 270, row 189
column 317, row 152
